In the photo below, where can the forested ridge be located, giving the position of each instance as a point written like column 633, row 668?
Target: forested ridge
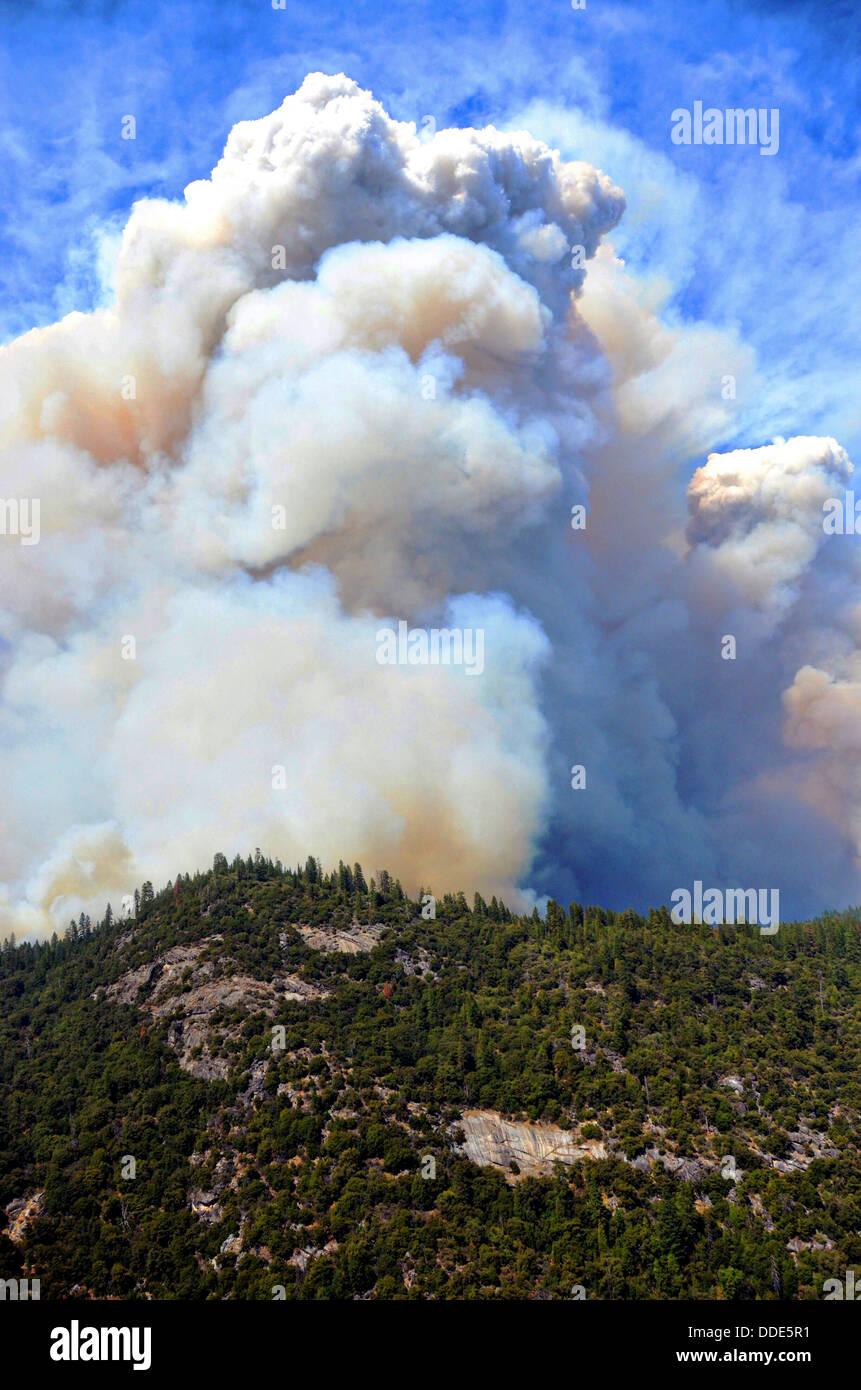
column 717, row 1071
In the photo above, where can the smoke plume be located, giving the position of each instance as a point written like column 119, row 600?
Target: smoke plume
column 360, row 376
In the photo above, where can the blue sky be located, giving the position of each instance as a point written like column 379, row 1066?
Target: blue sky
column 763, row 245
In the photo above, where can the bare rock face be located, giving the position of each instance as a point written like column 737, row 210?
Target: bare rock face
column 808, row 1144
column 301, row 1258
column 688, row 1169
column 757, row 1203
column 819, row 1242
column 159, row 974
column 534, row 1148
column 351, row 940
column 20, row 1212
column 616, row 1060
column 419, row 963
column 805, row 1145
column 186, row 991
column 488, row 1138
column 734, row 1083
column 206, row 1205
column 255, row 1088
column 206, row 1202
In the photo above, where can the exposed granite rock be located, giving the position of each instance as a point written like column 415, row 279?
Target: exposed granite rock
column 296, row 1095
column 206, row 1205
column 162, row 972
column 819, row 1242
column 229, row 1170
column 688, row 1169
column 734, row 1083
column 490, row 1139
column 806, row 1146
column 809, row 1143
column 351, row 940
column 189, row 1012
column 419, row 963
column 254, row 1089
column 300, row 1259
column 231, row 1246
column 534, row 1148
column 616, row 1060
column 20, row 1212
column 757, row 1204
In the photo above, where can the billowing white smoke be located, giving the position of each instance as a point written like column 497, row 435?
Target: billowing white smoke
column 357, row 377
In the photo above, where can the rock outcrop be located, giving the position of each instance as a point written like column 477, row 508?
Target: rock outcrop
column 185, row 990
column 208, row 1202
column 301, row 1258
column 20, row 1212
column 534, row 1148
column 351, row 940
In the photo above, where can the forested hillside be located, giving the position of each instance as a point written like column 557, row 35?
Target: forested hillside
column 269, row 1084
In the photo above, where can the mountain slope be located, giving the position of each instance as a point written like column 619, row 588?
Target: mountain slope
column 294, row 1082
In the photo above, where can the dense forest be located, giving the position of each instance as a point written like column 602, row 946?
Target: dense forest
column 220, row 1097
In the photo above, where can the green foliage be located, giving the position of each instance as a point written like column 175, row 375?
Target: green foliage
column 471, row 1010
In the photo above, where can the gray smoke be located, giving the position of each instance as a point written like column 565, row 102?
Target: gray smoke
column 360, row 376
